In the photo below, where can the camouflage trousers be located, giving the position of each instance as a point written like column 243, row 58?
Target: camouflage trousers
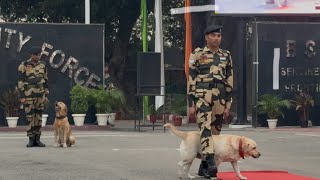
column 209, row 113
column 34, row 107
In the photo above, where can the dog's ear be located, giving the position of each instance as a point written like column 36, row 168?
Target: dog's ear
column 66, row 109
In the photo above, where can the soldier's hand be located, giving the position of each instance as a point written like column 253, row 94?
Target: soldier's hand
column 192, row 110
column 226, row 115
column 23, row 100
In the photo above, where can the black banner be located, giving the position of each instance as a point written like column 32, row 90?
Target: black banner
column 74, row 53
column 288, row 61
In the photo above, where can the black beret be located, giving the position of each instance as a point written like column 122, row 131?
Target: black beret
column 35, row 50
column 213, row 28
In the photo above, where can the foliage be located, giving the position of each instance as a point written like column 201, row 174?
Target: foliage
column 79, row 99
column 303, row 103
column 117, row 98
column 106, row 101
column 179, row 104
column 9, row 102
column 272, row 105
column 152, row 109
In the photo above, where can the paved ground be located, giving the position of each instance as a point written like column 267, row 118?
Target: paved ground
column 123, row 154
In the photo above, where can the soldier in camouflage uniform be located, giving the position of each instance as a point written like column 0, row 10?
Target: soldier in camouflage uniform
column 210, row 84
column 33, row 88
column 108, row 80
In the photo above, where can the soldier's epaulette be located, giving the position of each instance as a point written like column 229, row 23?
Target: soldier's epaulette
column 225, row 51
column 197, row 50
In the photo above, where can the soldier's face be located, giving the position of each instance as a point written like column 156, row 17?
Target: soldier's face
column 35, row 57
column 213, row 39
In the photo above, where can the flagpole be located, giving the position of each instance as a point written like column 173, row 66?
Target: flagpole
column 159, row 100
column 145, row 49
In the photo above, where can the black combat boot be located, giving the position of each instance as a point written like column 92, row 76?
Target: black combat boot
column 38, row 142
column 31, row 142
column 212, row 170
column 203, row 167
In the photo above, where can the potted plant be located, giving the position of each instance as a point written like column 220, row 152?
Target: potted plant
column 10, row 103
column 179, row 108
column 102, row 102
column 303, row 103
column 117, row 101
column 272, row 105
column 79, row 104
column 152, row 116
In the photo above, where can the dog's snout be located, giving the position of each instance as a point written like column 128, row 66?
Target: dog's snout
column 256, row 155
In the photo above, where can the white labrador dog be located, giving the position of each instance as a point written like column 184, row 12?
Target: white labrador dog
column 228, row 148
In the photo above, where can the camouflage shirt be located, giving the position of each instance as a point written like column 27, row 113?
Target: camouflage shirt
column 108, row 82
column 32, row 79
column 206, row 66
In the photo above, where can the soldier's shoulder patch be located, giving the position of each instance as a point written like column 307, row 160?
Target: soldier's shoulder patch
column 192, row 59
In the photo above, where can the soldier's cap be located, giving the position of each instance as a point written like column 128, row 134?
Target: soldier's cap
column 213, row 28
column 35, row 50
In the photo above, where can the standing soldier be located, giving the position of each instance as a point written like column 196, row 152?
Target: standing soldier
column 108, row 80
column 210, row 85
column 33, row 88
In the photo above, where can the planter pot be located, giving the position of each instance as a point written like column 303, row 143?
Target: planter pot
column 309, row 123
column 152, row 118
column 177, row 121
column 171, row 117
column 12, row 121
column 272, row 123
column 192, row 119
column 102, row 119
column 185, row 120
column 111, row 118
column 118, row 116
column 44, row 119
column 78, row 119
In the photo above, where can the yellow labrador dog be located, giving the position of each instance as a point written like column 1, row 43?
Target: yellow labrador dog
column 228, row 148
column 62, row 129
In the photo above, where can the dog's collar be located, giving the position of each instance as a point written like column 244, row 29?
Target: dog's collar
column 61, row 117
column 241, row 153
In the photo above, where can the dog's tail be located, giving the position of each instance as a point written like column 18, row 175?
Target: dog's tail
column 175, row 131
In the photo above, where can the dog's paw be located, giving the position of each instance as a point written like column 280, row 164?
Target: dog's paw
column 242, row 178
column 65, row 145
column 215, row 178
column 56, row 145
column 190, row 176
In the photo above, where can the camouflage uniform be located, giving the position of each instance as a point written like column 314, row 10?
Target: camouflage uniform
column 108, row 82
column 210, row 85
column 33, row 87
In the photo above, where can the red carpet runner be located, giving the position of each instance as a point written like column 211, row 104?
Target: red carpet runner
column 264, row 175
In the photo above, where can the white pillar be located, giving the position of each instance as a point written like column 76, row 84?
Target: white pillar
column 87, row 11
